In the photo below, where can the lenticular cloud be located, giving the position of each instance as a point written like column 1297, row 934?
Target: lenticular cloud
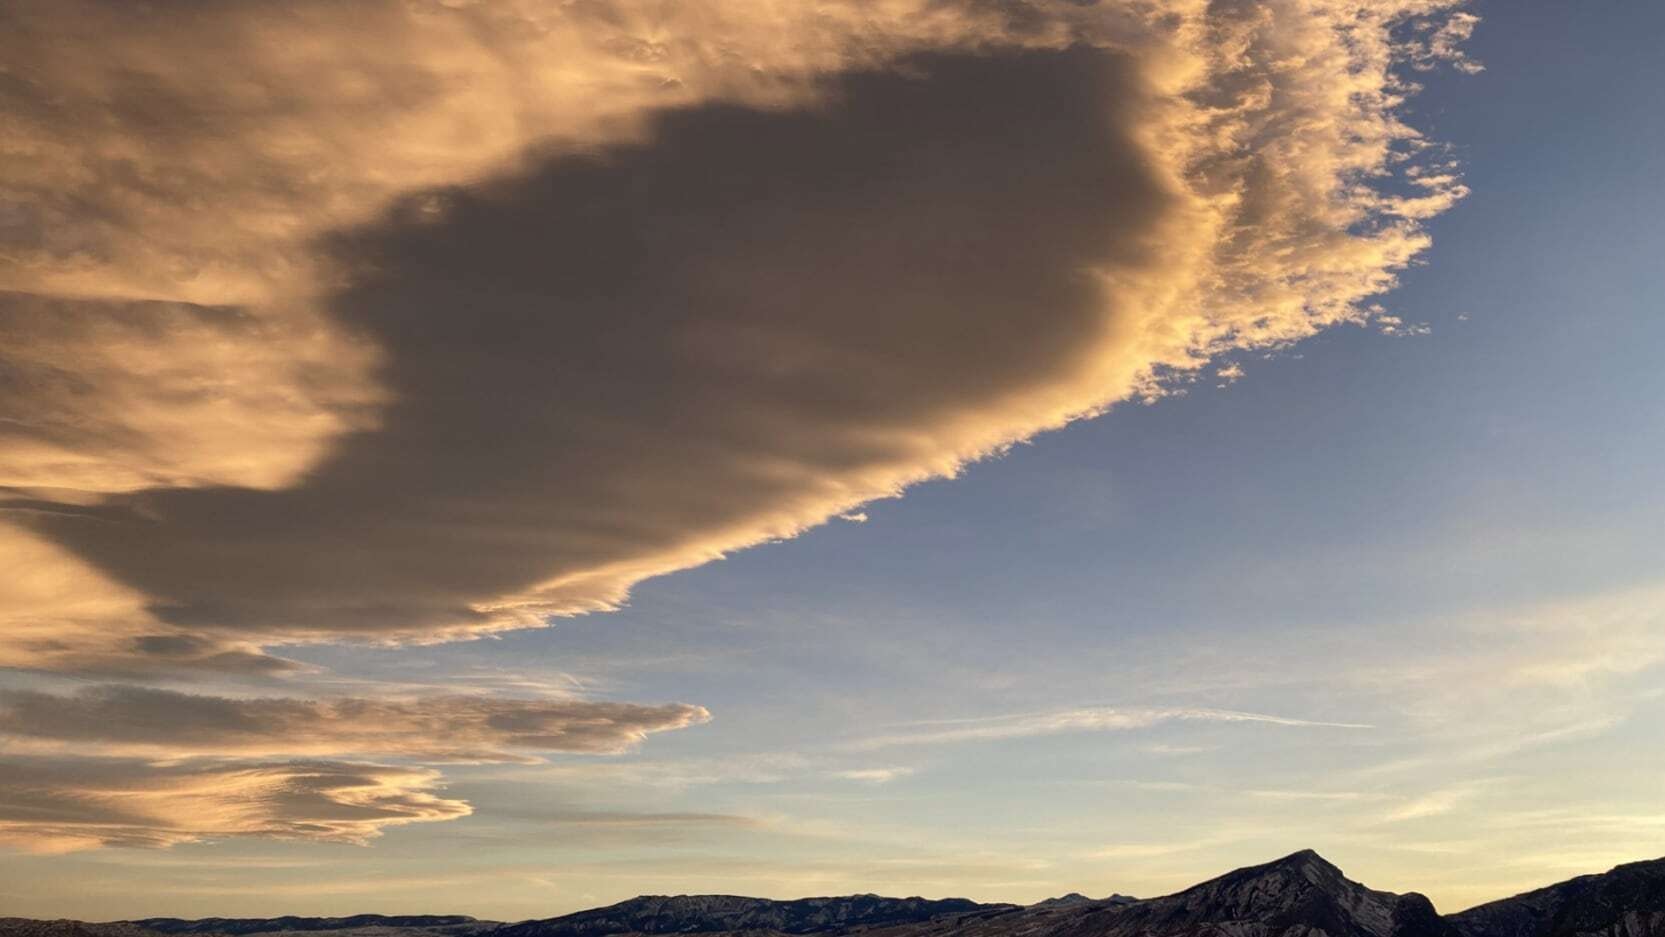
column 492, row 318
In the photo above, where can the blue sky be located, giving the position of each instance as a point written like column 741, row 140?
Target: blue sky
column 1396, row 597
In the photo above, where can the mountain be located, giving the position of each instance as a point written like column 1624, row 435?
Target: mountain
column 1300, row 895
column 1297, row 895
column 1629, row 901
column 359, row 925
column 26, row 927
column 684, row 914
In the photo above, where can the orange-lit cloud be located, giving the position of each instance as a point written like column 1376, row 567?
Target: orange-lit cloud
column 63, row 805
column 128, row 720
column 520, row 304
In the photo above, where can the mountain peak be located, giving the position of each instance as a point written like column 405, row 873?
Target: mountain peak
column 1293, row 896
column 1305, row 859
column 1298, row 870
column 1073, row 898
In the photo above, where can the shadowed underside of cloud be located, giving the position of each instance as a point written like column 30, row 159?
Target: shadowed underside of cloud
column 623, row 363
column 142, row 721
column 62, row 805
column 542, row 370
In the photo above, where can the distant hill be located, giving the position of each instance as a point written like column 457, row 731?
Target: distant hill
column 238, row 926
column 1075, row 898
column 686, row 914
column 1300, row 895
column 27, row 927
column 359, row 925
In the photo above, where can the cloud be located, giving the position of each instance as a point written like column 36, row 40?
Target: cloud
column 612, row 828
column 223, row 768
column 114, row 395
column 1177, row 846
column 50, row 805
column 874, row 775
column 754, row 768
column 1300, row 795
column 128, row 720
column 1436, row 803
column 1481, row 687
column 641, row 295
column 617, row 818
column 489, row 320
column 1089, row 719
column 759, row 768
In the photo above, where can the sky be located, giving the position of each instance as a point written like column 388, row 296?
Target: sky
column 558, row 452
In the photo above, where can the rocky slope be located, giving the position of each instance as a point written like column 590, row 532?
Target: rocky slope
column 1626, row 902
column 1297, row 895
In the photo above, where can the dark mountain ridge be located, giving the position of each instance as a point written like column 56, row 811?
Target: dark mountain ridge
column 1299, row 895
column 237, row 926
column 1629, row 901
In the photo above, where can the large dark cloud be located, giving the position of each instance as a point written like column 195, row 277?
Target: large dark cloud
column 488, row 320
column 625, row 361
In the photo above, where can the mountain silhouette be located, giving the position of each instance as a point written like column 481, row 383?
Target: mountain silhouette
column 1299, row 895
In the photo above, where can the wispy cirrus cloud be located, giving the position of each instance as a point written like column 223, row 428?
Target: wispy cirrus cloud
column 874, row 775
column 1086, row 719
column 1138, row 851
column 1438, row 802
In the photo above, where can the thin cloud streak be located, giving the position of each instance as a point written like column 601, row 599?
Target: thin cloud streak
column 874, row 775
column 1091, row 719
